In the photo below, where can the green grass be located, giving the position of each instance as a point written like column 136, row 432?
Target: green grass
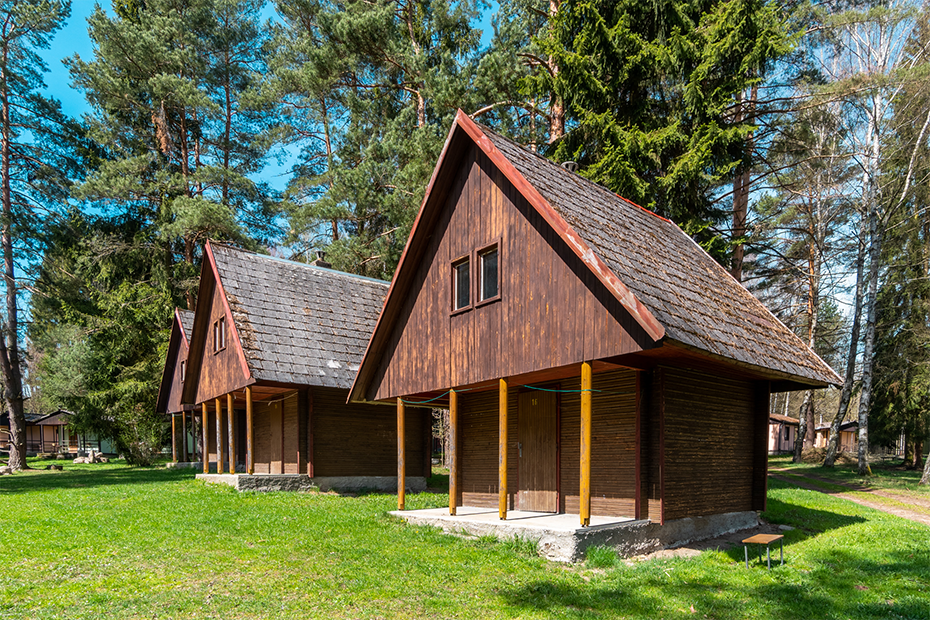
column 888, row 475
column 110, row 541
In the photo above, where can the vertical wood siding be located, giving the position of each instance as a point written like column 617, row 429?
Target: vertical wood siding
column 613, row 474
column 221, row 372
column 361, row 440
column 174, row 396
column 710, row 439
column 552, row 311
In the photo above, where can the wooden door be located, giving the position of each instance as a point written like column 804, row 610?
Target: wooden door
column 276, row 449
column 538, row 452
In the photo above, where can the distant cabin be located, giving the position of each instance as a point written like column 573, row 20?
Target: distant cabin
column 52, row 434
column 595, row 360
column 783, row 430
column 849, row 436
column 274, row 347
column 183, row 437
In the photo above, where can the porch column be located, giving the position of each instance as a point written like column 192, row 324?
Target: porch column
column 174, row 438
column 206, row 440
column 249, row 433
column 184, row 456
column 453, row 452
column 584, row 486
column 502, row 451
column 219, row 435
column 231, row 413
column 401, row 455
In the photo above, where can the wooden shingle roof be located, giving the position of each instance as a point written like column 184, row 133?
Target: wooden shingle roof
column 187, row 322
column 683, row 299
column 695, row 299
column 298, row 323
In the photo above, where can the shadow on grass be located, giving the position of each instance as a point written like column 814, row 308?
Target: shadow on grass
column 87, row 478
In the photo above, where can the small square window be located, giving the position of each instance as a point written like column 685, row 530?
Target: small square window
column 461, row 284
column 488, row 281
column 219, row 334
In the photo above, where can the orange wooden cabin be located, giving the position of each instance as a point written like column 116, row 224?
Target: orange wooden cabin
column 594, row 359
column 274, row 348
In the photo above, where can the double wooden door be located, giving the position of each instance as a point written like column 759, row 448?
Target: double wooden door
column 538, row 451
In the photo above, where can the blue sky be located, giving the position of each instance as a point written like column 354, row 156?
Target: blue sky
column 73, row 39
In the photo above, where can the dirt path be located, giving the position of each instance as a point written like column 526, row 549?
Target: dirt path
column 922, row 515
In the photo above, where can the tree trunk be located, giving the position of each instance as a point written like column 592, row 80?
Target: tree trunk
column 925, row 478
column 556, row 104
column 802, row 426
column 871, row 313
column 849, row 379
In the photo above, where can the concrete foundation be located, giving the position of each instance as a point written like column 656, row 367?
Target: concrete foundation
column 300, row 482
column 560, row 538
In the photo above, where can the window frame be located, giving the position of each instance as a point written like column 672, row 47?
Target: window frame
column 479, row 273
column 465, row 258
column 219, row 330
column 183, row 370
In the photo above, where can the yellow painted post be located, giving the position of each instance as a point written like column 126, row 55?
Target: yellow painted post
column 401, row 455
column 249, row 433
column 453, row 450
column 206, row 440
column 585, row 482
column 231, row 417
column 502, row 451
column 174, row 438
column 219, row 435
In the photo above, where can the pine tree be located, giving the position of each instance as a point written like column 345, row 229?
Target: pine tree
column 35, row 174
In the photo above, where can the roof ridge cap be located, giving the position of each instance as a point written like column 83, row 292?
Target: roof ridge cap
column 287, row 261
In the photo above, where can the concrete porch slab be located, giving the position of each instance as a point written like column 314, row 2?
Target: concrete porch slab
column 560, row 537
column 301, row 482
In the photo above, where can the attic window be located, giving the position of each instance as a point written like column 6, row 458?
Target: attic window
column 461, row 284
column 488, row 274
column 219, row 334
column 183, row 370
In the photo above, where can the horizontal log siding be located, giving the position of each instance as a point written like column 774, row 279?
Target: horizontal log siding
column 261, row 429
column 294, row 419
column 613, row 473
column 709, row 444
column 361, row 440
column 478, row 449
column 552, row 310
column 651, row 506
column 613, row 444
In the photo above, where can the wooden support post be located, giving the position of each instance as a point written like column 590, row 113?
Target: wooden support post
column 453, row 452
column 401, row 455
column 174, row 438
column 249, row 433
column 206, row 440
column 184, row 456
column 231, row 413
column 219, row 435
column 584, row 508
column 502, row 451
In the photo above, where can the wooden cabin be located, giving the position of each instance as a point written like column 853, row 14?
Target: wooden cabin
column 183, row 438
column 783, row 430
column 51, row 434
column 595, row 360
column 849, row 436
column 274, row 347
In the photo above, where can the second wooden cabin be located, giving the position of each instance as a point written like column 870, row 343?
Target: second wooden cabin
column 274, row 348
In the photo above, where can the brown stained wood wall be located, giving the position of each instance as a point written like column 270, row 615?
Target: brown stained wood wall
column 613, row 444
column 710, row 438
column 552, row 311
column 292, row 423
column 361, row 440
column 613, row 462
column 174, row 397
column 650, row 446
column 221, row 372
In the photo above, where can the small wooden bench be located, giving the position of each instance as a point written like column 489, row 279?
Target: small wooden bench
column 765, row 539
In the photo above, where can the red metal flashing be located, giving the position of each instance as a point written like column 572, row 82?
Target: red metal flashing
column 232, row 323
column 600, row 269
column 653, row 213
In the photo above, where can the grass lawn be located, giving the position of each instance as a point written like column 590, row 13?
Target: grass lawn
column 887, row 475
column 110, row 541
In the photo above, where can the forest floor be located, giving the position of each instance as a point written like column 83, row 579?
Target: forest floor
column 112, row 541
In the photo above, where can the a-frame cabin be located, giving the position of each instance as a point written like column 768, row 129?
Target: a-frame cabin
column 595, row 360
column 183, row 438
column 275, row 347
